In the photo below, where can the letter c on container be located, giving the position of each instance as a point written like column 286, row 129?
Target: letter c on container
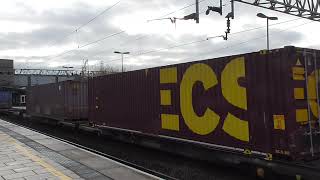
column 312, row 92
column 207, row 123
column 237, row 96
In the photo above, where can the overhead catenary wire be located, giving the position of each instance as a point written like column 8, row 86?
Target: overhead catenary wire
column 266, row 26
column 247, row 41
column 190, row 5
column 261, row 37
column 117, row 33
column 86, row 23
column 203, row 40
column 161, row 49
column 147, row 36
column 88, row 44
column 244, row 42
column 109, row 35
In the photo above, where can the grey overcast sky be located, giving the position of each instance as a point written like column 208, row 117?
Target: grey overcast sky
column 39, row 33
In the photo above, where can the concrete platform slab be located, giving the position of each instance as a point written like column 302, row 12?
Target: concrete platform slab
column 59, row 147
column 28, row 155
column 77, row 154
column 98, row 163
column 123, row 173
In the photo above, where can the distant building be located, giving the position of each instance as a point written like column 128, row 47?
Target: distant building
column 6, row 73
column 6, row 82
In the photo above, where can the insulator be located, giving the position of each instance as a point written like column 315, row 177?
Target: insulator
column 228, row 23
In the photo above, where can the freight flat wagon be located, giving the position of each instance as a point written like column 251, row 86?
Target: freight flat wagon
column 258, row 104
column 62, row 101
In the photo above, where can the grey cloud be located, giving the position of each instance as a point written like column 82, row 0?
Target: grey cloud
column 197, row 52
column 36, row 38
column 58, row 23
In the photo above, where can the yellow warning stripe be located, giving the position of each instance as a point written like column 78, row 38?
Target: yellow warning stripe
column 40, row 161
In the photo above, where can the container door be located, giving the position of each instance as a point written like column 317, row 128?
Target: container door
column 312, row 128
column 278, row 101
column 306, row 95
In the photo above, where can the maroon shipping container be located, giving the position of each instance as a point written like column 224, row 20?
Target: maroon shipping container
column 256, row 103
column 63, row 101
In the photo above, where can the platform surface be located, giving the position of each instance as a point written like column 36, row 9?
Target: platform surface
column 28, row 155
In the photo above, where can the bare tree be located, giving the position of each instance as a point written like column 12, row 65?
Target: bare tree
column 107, row 69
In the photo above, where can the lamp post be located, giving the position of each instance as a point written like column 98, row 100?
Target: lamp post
column 261, row 15
column 122, row 53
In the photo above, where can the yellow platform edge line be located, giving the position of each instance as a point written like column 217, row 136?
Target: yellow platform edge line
column 40, row 161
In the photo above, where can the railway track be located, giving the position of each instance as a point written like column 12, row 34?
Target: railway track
column 157, row 163
column 127, row 163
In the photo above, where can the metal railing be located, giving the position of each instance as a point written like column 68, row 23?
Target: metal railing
column 58, row 72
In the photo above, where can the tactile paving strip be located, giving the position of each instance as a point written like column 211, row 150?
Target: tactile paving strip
column 78, row 168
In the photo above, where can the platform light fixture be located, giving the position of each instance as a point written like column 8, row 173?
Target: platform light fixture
column 261, row 15
column 122, row 53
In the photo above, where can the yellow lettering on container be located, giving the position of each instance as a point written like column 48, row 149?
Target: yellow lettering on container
column 298, row 93
column 298, row 63
column 236, row 127
column 247, row 151
column 298, row 73
column 312, row 93
column 237, row 96
column 263, row 52
column 170, row 122
column 279, row 122
column 268, row 157
column 165, row 97
column 205, row 124
column 231, row 90
column 168, row 75
column 301, row 115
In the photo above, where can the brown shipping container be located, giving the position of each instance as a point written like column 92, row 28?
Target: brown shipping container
column 255, row 103
column 66, row 100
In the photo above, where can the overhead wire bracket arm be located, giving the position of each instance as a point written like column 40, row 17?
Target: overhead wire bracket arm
column 215, row 9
